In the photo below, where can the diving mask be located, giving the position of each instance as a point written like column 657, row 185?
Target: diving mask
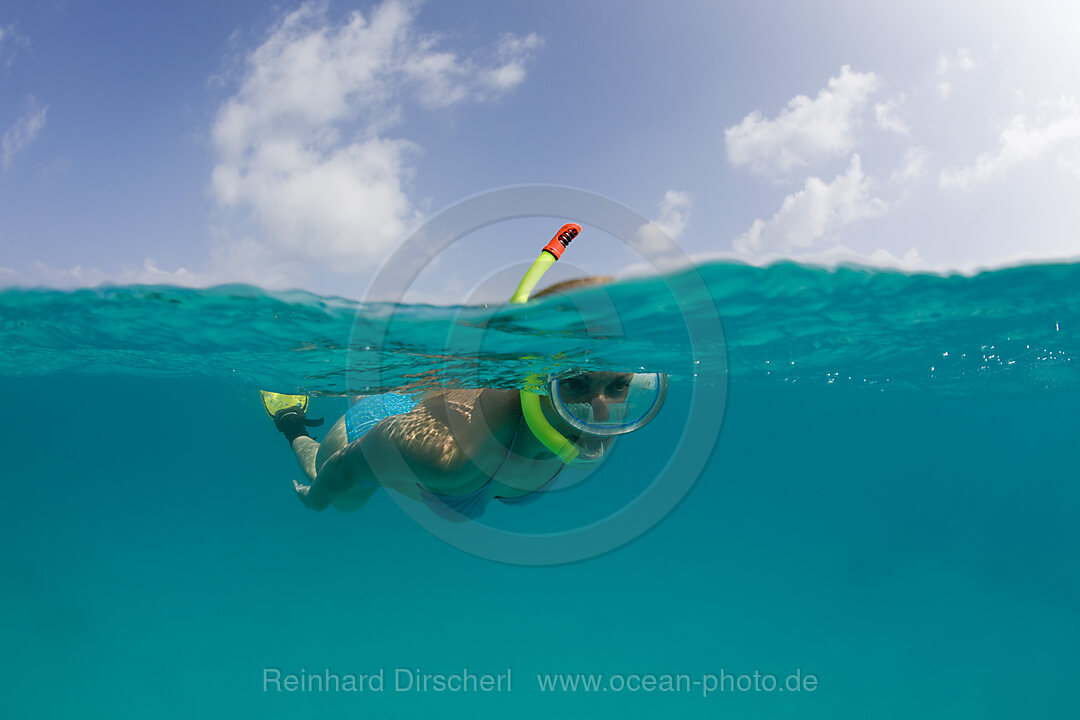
column 606, row 404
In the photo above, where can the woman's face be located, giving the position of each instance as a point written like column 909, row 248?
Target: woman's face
column 597, row 389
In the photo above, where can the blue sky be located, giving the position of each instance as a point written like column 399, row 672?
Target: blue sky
column 297, row 145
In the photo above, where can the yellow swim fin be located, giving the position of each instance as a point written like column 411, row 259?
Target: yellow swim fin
column 275, row 402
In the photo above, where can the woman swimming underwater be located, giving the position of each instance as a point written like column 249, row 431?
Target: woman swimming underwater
column 456, row 450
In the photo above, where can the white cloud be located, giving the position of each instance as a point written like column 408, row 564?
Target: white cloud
column 915, row 159
column 805, row 130
column 19, row 136
column 444, row 79
column 79, row 276
column 304, row 168
column 818, row 209
column 947, row 65
column 674, row 213
column 654, row 237
column 246, row 260
column 959, row 60
column 1055, row 129
column 11, row 42
column 908, row 261
column 513, row 51
column 886, row 118
column 513, row 47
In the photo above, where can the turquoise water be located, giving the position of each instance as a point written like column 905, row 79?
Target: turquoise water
column 889, row 507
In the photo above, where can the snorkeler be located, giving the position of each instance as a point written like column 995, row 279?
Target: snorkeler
column 463, row 448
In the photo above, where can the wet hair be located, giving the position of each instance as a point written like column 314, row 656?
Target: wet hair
column 575, row 284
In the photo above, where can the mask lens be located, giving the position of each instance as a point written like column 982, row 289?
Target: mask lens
column 607, row 403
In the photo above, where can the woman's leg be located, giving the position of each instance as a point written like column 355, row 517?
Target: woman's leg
column 354, row 499
column 332, row 480
column 312, row 455
column 306, row 449
column 323, row 465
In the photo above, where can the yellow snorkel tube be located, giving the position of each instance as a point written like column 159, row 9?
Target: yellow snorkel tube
column 544, row 431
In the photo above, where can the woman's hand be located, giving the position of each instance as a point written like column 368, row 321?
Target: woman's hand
column 302, row 492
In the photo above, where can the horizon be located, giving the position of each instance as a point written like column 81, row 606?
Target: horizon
column 299, row 146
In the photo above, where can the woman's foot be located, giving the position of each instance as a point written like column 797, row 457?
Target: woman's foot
column 292, row 424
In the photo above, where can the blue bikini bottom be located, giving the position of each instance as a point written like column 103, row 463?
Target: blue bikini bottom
column 370, row 410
